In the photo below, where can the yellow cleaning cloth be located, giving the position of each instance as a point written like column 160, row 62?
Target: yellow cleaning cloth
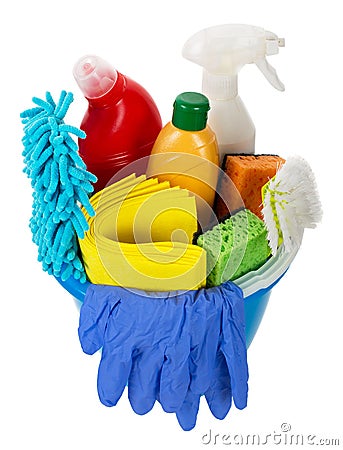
column 140, row 237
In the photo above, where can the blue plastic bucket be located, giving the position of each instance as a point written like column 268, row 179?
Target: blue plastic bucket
column 256, row 286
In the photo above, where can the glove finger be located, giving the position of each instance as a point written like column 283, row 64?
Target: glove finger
column 94, row 315
column 144, row 380
column 204, row 343
column 175, row 377
column 114, row 369
column 187, row 414
column 174, row 381
column 202, row 362
column 219, row 394
column 233, row 346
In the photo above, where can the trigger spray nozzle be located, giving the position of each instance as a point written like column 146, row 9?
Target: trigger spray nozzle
column 273, row 42
column 223, row 50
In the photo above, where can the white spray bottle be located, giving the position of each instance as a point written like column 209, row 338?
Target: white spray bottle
column 222, row 51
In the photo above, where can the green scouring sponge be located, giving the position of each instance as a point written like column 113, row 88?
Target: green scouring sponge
column 234, row 247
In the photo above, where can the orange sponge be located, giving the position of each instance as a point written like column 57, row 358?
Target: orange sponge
column 248, row 174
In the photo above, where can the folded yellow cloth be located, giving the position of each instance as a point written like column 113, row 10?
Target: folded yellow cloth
column 141, row 237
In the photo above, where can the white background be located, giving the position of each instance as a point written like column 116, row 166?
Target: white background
column 48, row 397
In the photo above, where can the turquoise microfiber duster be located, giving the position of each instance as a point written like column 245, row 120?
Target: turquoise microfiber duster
column 61, row 184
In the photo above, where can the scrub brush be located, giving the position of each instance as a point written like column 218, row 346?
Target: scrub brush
column 290, row 204
column 61, row 184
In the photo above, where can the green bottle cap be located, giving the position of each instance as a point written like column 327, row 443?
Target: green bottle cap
column 190, row 111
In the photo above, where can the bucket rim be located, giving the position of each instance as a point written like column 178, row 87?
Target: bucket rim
column 263, row 278
column 268, row 274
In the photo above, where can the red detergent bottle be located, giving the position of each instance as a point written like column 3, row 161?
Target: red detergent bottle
column 122, row 121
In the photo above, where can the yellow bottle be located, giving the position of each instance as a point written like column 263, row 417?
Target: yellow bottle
column 186, row 152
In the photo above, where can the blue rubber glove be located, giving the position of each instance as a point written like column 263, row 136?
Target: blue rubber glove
column 146, row 345
column 218, row 360
column 167, row 347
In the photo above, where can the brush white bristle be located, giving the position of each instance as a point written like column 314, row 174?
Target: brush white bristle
column 293, row 198
column 272, row 230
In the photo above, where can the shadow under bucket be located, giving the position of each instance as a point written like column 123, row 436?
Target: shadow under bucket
column 256, row 286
